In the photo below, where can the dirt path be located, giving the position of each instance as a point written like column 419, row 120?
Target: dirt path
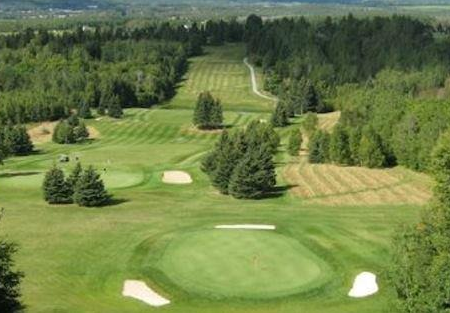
column 255, row 84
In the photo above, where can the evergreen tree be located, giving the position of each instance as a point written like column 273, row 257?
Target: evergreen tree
column 208, row 112
column 90, row 190
column 311, row 99
column 370, row 149
column 254, row 175
column 81, row 132
column 84, row 110
column 420, row 267
column 226, row 158
column 280, row 117
column 74, row 177
column 340, row 147
column 9, row 279
column 295, row 142
column 64, row 133
column 318, row 147
column 310, row 123
column 21, row 143
column 56, row 189
column 115, row 108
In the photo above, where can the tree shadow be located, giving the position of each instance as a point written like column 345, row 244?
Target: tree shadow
column 116, row 201
column 278, row 191
column 18, row 174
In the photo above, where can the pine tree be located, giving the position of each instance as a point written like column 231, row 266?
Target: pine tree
column 90, row 190
column 370, row 149
column 208, row 112
column 295, row 142
column 9, row 279
column 254, row 175
column 420, row 267
column 340, row 147
column 318, row 147
column 74, row 176
column 21, row 142
column 280, row 117
column 311, row 99
column 115, row 108
column 310, row 123
column 84, row 110
column 226, row 159
column 81, row 132
column 64, row 133
column 56, row 190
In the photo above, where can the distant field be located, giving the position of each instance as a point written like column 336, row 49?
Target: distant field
column 222, row 72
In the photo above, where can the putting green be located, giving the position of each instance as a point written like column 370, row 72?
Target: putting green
column 240, row 263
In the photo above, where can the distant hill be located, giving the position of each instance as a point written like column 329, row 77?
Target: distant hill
column 105, row 4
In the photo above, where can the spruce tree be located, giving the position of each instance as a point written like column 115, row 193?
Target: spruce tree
column 318, row 147
column 340, row 146
column 9, row 279
column 311, row 99
column 295, row 142
column 56, row 189
column 280, row 117
column 74, row 176
column 84, row 110
column 81, row 132
column 114, row 107
column 208, row 112
column 64, row 133
column 21, row 143
column 254, row 175
column 370, row 149
column 310, row 123
column 90, row 190
column 420, row 268
column 226, row 159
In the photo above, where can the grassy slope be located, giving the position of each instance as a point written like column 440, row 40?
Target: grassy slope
column 76, row 259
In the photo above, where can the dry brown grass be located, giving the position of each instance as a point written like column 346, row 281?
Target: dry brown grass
column 335, row 185
column 328, row 120
column 43, row 132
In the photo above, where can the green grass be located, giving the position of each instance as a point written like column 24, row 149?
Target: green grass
column 239, row 263
column 76, row 259
column 222, row 72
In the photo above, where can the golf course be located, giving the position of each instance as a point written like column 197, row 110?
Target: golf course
column 330, row 222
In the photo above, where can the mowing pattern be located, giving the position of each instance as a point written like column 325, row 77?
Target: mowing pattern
column 335, row 185
column 143, row 126
column 240, row 263
column 222, row 72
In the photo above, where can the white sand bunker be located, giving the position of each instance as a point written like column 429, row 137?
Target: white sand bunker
column 176, row 177
column 247, row 226
column 365, row 284
column 139, row 290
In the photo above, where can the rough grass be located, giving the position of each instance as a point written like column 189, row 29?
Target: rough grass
column 334, row 185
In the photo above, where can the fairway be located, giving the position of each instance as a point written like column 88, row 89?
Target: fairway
column 222, row 72
column 240, row 263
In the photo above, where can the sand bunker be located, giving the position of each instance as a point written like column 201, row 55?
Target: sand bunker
column 247, row 226
column 176, row 177
column 365, row 284
column 139, row 290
